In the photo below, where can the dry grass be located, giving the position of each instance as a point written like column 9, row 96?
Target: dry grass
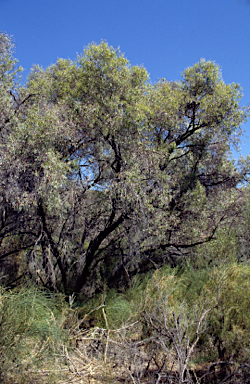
column 102, row 356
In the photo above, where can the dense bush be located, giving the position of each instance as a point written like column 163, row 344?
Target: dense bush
column 185, row 318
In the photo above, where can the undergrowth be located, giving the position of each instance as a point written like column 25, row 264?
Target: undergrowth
column 31, row 330
column 171, row 323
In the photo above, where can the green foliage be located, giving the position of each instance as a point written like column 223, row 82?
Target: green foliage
column 110, row 174
column 121, row 308
column 223, row 250
column 105, row 177
column 31, row 329
column 229, row 323
column 223, row 290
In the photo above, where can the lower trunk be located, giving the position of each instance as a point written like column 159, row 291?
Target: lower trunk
column 52, row 245
column 88, row 271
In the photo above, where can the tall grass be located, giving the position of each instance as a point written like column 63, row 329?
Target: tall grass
column 31, row 330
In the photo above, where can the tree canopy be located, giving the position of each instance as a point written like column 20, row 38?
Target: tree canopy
column 104, row 174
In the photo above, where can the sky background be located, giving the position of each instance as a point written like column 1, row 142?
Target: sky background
column 166, row 36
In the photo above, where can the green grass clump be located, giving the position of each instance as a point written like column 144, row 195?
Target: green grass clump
column 31, row 330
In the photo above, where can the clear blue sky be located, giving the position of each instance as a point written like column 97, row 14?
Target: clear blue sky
column 166, row 36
